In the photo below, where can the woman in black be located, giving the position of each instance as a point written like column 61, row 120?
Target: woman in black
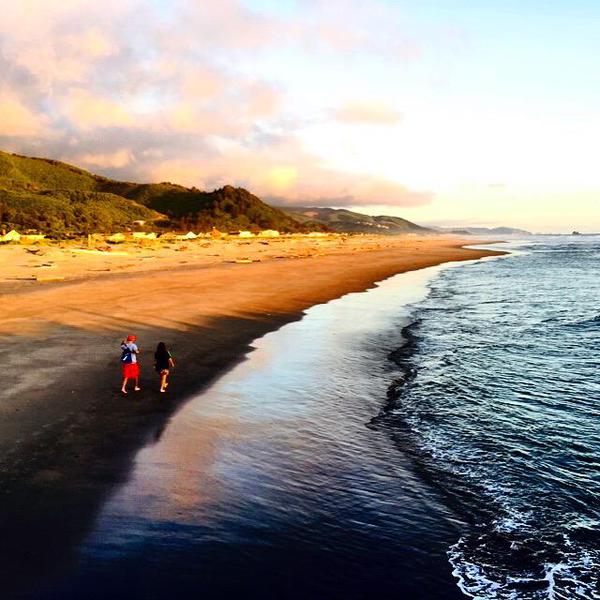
column 163, row 362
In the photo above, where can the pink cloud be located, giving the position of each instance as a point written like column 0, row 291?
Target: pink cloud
column 284, row 174
column 88, row 111
column 180, row 97
column 115, row 160
column 59, row 41
column 17, row 120
column 199, row 82
column 92, row 43
column 228, row 24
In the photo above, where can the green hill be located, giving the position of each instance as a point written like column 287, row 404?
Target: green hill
column 226, row 208
column 342, row 220
column 57, row 198
column 43, row 174
column 54, row 197
column 68, row 211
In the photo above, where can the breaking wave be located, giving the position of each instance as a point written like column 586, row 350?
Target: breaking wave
column 499, row 404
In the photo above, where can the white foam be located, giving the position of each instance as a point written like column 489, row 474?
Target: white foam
column 576, row 576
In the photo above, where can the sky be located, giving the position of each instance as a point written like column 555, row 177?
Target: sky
column 447, row 112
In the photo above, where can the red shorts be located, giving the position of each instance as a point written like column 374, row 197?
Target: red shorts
column 131, row 370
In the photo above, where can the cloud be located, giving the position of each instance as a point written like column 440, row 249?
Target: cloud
column 58, row 42
column 87, row 111
column 115, row 160
column 367, row 112
column 367, row 28
column 183, row 96
column 92, row 43
column 283, row 173
column 17, row 120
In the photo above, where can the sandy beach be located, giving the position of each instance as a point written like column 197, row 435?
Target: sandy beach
column 22, row 265
column 67, row 435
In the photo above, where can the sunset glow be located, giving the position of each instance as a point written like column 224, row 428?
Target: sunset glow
column 448, row 112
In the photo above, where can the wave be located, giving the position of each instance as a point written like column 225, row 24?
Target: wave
column 493, row 400
column 585, row 324
column 499, row 565
column 506, row 556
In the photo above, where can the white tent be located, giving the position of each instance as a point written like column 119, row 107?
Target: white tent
column 190, row 235
column 11, row 236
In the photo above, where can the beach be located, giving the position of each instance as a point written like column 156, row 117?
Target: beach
column 67, row 435
column 45, row 261
column 299, row 301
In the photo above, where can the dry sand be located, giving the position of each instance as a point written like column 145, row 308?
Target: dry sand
column 76, row 260
column 66, row 434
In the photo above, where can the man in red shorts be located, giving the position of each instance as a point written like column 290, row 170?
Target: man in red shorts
column 129, row 362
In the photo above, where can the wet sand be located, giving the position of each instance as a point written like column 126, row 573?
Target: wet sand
column 67, row 435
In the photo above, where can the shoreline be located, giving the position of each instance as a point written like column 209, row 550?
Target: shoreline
column 69, row 442
column 252, row 439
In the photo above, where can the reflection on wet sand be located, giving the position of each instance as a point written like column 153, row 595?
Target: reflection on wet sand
column 273, row 464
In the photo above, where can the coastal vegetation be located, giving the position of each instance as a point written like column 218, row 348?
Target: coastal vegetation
column 60, row 199
column 57, row 198
column 59, row 212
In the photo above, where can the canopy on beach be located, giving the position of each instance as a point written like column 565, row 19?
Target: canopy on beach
column 190, row 235
column 11, row 236
column 116, row 237
column 32, row 237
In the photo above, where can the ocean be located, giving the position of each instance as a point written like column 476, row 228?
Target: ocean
column 501, row 406
column 434, row 437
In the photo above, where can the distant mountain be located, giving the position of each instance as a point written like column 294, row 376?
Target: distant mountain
column 484, row 231
column 347, row 221
column 497, row 231
column 55, row 197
